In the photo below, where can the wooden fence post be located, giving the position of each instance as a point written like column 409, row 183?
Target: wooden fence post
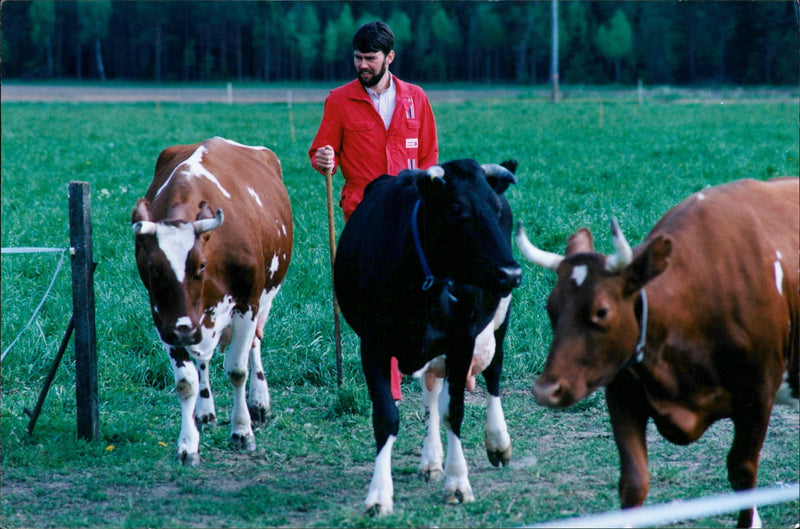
column 80, row 237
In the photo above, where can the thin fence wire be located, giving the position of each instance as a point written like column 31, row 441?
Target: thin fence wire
column 22, row 250
column 679, row 510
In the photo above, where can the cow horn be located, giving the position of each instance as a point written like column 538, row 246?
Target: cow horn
column 498, row 171
column 144, row 227
column 436, row 172
column 534, row 254
column 204, row 225
column 623, row 255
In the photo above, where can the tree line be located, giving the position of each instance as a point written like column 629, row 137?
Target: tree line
column 599, row 42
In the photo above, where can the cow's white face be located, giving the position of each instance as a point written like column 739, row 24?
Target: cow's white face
column 171, row 263
column 176, row 242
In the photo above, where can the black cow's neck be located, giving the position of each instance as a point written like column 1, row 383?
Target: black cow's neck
column 426, row 269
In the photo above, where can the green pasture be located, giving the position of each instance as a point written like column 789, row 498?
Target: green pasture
column 581, row 161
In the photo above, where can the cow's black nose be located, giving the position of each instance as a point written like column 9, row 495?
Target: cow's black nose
column 184, row 335
column 508, row 277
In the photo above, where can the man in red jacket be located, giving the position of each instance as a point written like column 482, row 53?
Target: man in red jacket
column 374, row 125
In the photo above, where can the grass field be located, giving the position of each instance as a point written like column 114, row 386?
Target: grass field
column 580, row 162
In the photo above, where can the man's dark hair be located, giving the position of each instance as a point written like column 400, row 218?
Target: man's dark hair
column 372, row 37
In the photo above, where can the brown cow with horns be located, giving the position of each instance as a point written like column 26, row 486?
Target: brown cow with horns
column 212, row 276
column 698, row 323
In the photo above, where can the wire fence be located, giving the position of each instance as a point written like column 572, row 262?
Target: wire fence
column 26, row 250
column 679, row 510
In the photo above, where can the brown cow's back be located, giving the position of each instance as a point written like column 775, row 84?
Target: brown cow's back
column 258, row 216
column 735, row 263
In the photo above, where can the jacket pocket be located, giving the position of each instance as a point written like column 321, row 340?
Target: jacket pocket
column 359, row 132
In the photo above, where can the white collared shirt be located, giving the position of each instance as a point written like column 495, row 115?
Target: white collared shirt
column 385, row 101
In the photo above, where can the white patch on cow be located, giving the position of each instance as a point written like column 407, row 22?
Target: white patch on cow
column 258, row 395
column 496, row 436
column 176, row 242
column 756, row 519
column 255, row 196
column 482, row 354
column 431, row 463
column 193, row 167
column 183, row 320
column 187, row 386
column 283, row 228
column 219, row 317
column 381, row 488
column 273, row 267
column 502, row 311
column 701, row 196
column 779, row 273
column 579, row 274
column 253, row 147
column 456, row 480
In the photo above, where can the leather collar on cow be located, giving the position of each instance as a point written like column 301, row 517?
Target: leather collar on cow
column 638, row 352
column 429, row 279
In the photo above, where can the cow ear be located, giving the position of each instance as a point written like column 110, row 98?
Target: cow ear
column 500, row 176
column 511, row 165
column 580, row 242
column 647, row 264
column 430, row 183
column 205, row 211
column 141, row 212
column 141, row 222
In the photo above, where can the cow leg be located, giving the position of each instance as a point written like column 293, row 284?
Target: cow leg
column 236, row 361
column 205, row 411
column 430, row 465
column 385, row 423
column 457, row 488
column 496, row 438
column 258, row 397
column 627, row 411
column 186, row 385
column 750, row 428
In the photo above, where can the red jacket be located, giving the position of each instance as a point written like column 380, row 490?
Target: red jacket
column 364, row 148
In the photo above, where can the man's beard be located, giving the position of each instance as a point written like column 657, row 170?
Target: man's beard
column 375, row 79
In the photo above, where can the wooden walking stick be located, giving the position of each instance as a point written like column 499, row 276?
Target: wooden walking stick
column 332, row 242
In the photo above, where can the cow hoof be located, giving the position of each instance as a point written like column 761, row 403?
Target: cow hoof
column 206, row 420
column 454, row 497
column 431, row 474
column 188, row 459
column 377, row 509
column 243, row 442
column 260, row 415
column 499, row 457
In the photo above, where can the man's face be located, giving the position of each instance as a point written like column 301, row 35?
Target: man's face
column 371, row 66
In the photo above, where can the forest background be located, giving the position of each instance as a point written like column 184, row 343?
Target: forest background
column 662, row 42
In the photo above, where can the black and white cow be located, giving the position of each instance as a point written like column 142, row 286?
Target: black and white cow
column 424, row 273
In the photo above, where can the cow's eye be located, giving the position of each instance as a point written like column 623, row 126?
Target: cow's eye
column 601, row 313
column 460, row 211
column 200, row 270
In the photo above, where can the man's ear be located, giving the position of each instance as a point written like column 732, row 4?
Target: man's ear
column 389, row 58
column 647, row 264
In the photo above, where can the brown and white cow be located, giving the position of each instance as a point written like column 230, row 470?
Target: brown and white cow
column 698, row 323
column 210, row 273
